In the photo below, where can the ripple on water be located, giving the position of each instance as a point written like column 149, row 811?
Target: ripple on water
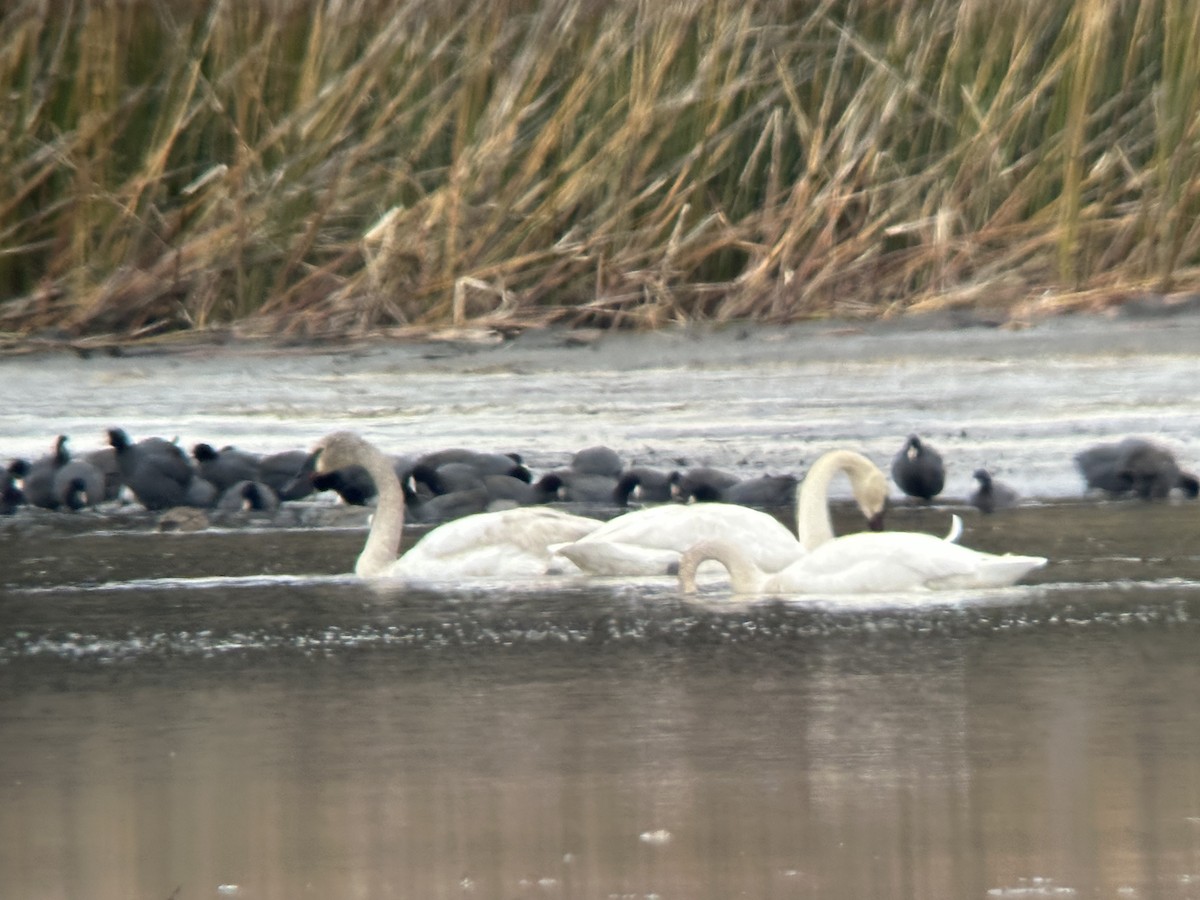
column 321, row 615
column 1035, row 887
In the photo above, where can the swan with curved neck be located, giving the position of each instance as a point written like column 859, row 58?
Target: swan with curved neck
column 651, row 541
column 863, row 563
column 869, row 485
column 508, row 543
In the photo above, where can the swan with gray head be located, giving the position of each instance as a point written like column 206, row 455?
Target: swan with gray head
column 509, row 543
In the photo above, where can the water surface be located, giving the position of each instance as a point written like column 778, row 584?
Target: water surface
column 283, row 729
column 228, row 713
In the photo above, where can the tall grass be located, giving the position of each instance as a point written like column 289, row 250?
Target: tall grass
column 353, row 164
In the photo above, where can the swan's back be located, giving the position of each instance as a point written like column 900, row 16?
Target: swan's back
column 512, row 542
column 646, row 541
column 896, row 561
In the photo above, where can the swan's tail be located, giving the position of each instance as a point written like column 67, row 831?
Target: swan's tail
column 996, row 571
column 1009, row 569
column 956, row 529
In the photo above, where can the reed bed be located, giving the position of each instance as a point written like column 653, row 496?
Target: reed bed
column 355, row 165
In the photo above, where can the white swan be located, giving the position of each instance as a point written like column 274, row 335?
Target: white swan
column 651, row 541
column 863, row 563
column 509, row 543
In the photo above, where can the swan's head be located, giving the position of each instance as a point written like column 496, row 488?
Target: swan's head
column 339, row 450
column 871, row 494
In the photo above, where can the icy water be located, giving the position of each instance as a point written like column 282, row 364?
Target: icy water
column 228, row 714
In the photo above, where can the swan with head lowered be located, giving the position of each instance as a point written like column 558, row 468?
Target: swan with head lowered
column 651, row 541
column 863, row 563
column 508, row 543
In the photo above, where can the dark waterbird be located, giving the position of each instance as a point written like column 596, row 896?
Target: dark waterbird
column 158, row 473
column 918, row 469
column 1134, row 466
column 105, row 461
column 451, row 505
column 448, row 477
column 283, row 473
column 57, row 481
column 353, row 484
column 585, row 487
column 505, row 487
column 765, row 491
column 463, row 478
column 225, row 467
column 700, row 483
column 484, row 463
column 591, row 476
column 37, row 477
column 79, row 484
column 991, row 495
column 645, row 485
column 249, row 496
column 598, row 460
column 10, row 495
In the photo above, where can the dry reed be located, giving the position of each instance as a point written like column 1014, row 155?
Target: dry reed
column 341, row 167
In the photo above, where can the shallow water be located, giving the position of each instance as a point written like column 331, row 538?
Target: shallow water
column 266, row 726
column 227, row 713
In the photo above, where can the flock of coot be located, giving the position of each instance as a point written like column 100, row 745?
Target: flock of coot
column 160, row 475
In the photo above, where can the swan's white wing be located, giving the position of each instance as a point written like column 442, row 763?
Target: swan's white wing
column 511, row 542
column 899, row 561
column 617, row 558
column 485, row 561
column 645, row 541
column 869, row 573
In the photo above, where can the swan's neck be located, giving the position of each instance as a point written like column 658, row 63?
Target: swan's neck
column 744, row 576
column 387, row 525
column 813, row 523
